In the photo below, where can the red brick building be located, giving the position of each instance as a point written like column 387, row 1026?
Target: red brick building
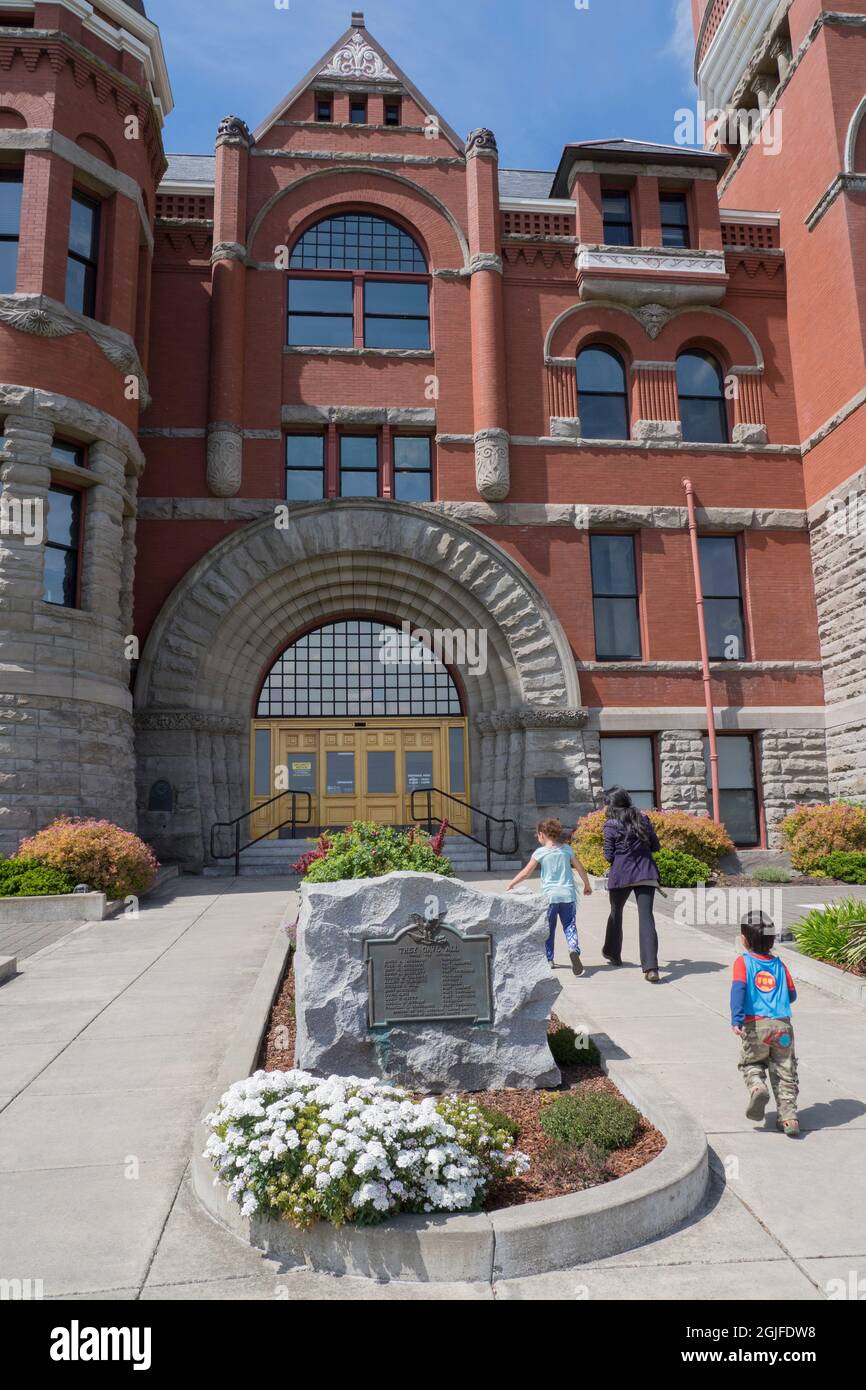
column 347, row 373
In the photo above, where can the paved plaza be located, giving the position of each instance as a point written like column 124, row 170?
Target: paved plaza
column 113, row 1037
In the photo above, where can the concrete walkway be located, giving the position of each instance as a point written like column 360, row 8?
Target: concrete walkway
column 112, row 1038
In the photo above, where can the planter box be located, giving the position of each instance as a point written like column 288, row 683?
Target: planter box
column 840, row 983
column 56, row 907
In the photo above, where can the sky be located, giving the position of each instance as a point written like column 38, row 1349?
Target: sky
column 539, row 73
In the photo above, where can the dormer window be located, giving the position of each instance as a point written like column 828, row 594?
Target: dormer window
column 675, row 220
column 324, row 109
column 358, row 111
column 616, row 207
column 392, row 113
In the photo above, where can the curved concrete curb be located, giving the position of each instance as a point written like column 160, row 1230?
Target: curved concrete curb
column 534, row 1239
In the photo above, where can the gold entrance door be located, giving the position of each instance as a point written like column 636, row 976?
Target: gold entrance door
column 380, row 771
column 341, row 797
column 359, row 771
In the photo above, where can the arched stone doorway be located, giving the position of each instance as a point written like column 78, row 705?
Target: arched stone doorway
column 220, row 630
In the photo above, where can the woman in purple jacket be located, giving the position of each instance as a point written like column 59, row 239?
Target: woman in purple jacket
column 629, row 844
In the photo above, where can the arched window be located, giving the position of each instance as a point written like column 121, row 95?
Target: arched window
column 358, row 668
column 603, row 399
column 701, row 391
column 357, row 280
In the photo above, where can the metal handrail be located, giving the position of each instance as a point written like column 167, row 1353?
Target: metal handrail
column 430, row 792
column 294, row 820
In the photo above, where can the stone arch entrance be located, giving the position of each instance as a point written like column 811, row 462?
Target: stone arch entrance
column 204, row 659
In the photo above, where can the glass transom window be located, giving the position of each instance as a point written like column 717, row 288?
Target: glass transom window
column 358, row 242
column 358, row 668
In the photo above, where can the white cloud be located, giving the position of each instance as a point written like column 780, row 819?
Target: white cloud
column 681, row 44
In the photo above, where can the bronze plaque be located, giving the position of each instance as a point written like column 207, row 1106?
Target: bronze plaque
column 428, row 973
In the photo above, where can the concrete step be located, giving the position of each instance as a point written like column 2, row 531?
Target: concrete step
column 276, row 857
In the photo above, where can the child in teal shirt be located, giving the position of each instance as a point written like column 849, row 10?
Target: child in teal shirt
column 557, row 862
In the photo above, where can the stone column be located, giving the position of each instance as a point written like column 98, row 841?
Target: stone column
column 492, row 440
column 228, row 309
column 25, row 475
column 793, row 772
column 658, row 407
column 102, row 553
column 683, row 771
column 749, row 425
column 127, row 573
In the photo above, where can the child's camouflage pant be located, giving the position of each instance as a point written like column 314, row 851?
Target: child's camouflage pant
column 768, row 1046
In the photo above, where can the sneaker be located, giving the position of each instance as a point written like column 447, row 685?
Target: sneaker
column 759, row 1099
column 612, row 960
column 651, row 977
column 576, row 962
column 789, row 1127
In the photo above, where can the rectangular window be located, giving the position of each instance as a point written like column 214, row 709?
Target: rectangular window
column 723, row 602
column 82, row 262
column 262, row 784
column 11, row 185
column 381, row 773
column 396, row 314
column 457, row 762
column 305, row 467
column 358, row 111
column 616, row 210
column 341, row 774
column 738, row 795
column 630, row 763
column 359, row 465
column 615, row 598
column 413, row 468
column 62, row 452
column 419, row 771
column 675, row 220
column 62, row 547
column 321, row 313
column 324, row 108
column 392, row 113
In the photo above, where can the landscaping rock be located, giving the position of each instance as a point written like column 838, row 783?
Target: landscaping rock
column 331, row 972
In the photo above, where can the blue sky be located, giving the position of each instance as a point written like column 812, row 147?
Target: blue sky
column 540, row 73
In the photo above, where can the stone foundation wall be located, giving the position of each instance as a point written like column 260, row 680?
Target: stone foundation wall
column 793, row 772
column 838, row 535
column 683, row 771
column 62, row 757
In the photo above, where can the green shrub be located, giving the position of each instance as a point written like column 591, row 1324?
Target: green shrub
column 679, row 870
column 854, row 951
column 109, row 860
column 499, row 1122
column 825, row 932
column 847, row 867
column 571, row 1166
column 599, row 1118
column 566, row 1053
column 771, row 875
column 697, row 836
column 24, row 878
column 367, row 850
column 815, row 832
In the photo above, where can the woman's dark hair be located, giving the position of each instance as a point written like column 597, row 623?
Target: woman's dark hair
column 620, row 807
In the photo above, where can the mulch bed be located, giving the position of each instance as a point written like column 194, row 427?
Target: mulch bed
column 548, row 1176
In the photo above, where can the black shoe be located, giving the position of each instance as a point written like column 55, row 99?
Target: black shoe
column 576, row 962
column 651, row 977
column 612, row 960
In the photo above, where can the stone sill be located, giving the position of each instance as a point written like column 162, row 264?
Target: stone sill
column 425, row 354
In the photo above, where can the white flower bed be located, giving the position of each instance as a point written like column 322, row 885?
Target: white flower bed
column 347, row 1150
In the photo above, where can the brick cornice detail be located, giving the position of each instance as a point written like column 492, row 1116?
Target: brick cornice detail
column 32, row 45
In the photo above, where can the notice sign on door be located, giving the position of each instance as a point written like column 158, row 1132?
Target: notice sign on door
column 302, row 767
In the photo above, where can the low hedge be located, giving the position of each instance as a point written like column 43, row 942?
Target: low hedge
column 29, row 878
column 607, row 1121
column 368, row 850
column 679, row 870
column 566, row 1053
column 846, row 866
column 698, row 836
column 814, row 833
